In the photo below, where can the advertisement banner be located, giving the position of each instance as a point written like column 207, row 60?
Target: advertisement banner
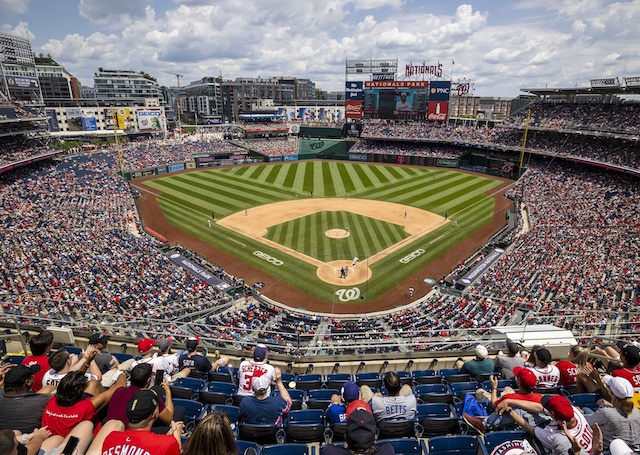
column 353, row 109
column 354, row 91
column 125, row 120
column 175, row 167
column 89, row 122
column 22, row 82
column 150, row 119
column 447, row 162
column 202, row 273
column 290, row 157
column 358, row 157
column 438, row 111
column 439, row 90
column 74, row 119
column 396, row 99
column 383, row 77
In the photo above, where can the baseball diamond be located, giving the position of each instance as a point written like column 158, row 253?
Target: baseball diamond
column 267, row 218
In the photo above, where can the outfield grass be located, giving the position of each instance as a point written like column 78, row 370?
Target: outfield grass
column 188, row 200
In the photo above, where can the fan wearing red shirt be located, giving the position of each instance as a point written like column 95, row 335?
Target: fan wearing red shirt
column 630, row 358
column 40, row 345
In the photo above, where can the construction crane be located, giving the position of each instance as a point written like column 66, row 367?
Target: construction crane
column 179, row 100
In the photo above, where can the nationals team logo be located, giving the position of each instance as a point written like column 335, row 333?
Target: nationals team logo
column 346, row 295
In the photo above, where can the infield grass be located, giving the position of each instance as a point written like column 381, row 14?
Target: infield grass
column 189, row 198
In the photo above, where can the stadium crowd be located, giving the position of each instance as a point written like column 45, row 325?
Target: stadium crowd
column 270, row 147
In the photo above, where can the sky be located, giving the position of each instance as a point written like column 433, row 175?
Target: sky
column 500, row 46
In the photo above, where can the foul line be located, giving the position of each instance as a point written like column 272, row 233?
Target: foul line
column 234, row 240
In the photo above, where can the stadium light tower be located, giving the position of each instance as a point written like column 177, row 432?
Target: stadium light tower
column 178, row 76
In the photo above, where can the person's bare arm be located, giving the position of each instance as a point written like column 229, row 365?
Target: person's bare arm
column 284, row 393
column 102, row 399
column 166, row 416
column 530, row 406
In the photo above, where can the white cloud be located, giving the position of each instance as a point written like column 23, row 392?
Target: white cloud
column 21, row 29
column 11, row 7
column 112, row 14
column 374, row 4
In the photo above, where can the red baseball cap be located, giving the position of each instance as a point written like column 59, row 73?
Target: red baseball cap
column 146, row 344
column 527, row 377
column 358, row 404
column 559, row 407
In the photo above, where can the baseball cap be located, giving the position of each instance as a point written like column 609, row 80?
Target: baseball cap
column 558, row 406
column 259, row 352
column 404, row 93
column 164, row 344
column 357, row 404
column 631, row 353
column 619, row 447
column 361, row 430
column 350, row 392
column 262, row 382
column 543, row 355
column 99, row 338
column 141, row 405
column 481, row 352
column 58, row 359
column 146, row 344
column 527, row 377
column 192, row 342
column 620, row 387
column 17, row 375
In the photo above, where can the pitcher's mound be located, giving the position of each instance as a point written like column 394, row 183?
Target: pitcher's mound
column 337, row 233
column 330, row 273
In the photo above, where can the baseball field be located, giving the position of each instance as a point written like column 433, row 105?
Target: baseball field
column 304, row 223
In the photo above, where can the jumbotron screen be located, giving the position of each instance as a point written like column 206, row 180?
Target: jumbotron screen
column 396, row 99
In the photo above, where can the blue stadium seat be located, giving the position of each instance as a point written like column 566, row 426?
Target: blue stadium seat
column 437, row 419
column 297, row 397
column 493, row 439
column 454, row 378
column 121, row 357
column 320, row 398
column 261, row 433
column 231, row 411
column 460, row 389
column 195, row 411
column 434, row 393
column 243, row 446
column 397, row 428
column 502, row 383
column 426, row 377
column 285, row 449
column 448, row 371
column 222, row 374
column 585, row 400
column 337, row 380
column 338, row 431
column 15, row 359
column 460, row 444
column 305, row 426
column 188, row 388
column 308, row 381
column 371, row 379
column 288, row 378
column 218, row 393
column 405, row 377
column 405, row 446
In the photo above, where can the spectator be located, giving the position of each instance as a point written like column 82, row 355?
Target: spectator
column 40, row 345
column 197, row 362
column 400, row 402
column 69, row 406
column 360, row 437
column 142, row 411
column 481, row 364
column 107, row 364
column 252, row 369
column 504, row 364
column 570, row 368
column 212, row 436
column 263, row 408
column 168, row 361
column 61, row 363
column 22, row 409
column 618, row 419
column 141, row 379
column 145, row 348
column 547, row 374
column 9, row 444
column 630, row 358
column 337, row 410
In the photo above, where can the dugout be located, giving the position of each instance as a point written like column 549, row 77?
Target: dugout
column 557, row 340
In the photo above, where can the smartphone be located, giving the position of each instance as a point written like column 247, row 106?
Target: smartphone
column 159, row 376
column 72, row 443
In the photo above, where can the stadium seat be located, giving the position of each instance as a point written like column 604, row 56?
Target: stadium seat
column 15, row 359
column 285, row 449
column 405, row 446
column 72, row 350
column 460, row 389
column 308, row 381
column 426, row 377
column 287, row 379
column 261, row 433
column 338, row 431
column 221, row 375
column 397, row 428
column 405, row 377
column 337, row 380
column 460, row 444
column 502, row 383
column 585, row 400
column 195, row 411
column 454, row 378
column 121, row 357
column 188, row 388
column 448, row 371
column 244, row 446
column 218, row 393
column 305, row 426
column 231, row 411
column 437, row 419
column 320, row 398
column 371, row 379
column 434, row 393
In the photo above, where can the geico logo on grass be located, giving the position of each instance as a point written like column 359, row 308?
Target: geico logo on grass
column 268, row 258
column 410, row 257
column 344, row 295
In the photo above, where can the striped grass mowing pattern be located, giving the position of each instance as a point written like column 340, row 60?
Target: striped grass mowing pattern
column 307, row 235
column 189, row 199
